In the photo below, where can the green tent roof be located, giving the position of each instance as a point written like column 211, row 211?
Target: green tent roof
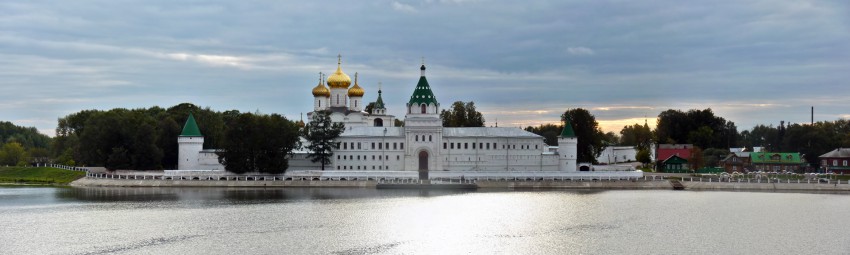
column 380, row 103
column 568, row 130
column 775, row 157
column 191, row 128
column 422, row 94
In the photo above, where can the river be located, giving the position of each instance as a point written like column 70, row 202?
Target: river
column 49, row 220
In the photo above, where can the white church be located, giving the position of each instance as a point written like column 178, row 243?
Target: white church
column 371, row 142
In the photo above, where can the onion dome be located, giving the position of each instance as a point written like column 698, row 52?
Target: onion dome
column 356, row 90
column 339, row 80
column 320, row 90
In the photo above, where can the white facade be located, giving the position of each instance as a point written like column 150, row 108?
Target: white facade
column 188, row 152
column 617, row 154
column 423, row 144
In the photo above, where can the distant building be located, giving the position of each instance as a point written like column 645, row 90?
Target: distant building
column 617, row 154
column 673, row 157
column 777, row 161
column 738, row 160
column 836, row 161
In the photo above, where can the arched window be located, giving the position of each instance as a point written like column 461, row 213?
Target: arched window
column 355, row 103
column 430, row 138
column 337, row 99
column 320, row 103
column 423, row 108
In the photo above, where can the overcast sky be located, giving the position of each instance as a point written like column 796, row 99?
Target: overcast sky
column 752, row 62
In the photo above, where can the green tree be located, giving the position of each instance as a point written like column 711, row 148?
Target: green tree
column 398, row 123
column 321, row 134
column 639, row 136
column 590, row 137
column 675, row 126
column 13, row 154
column 369, row 107
column 462, row 115
column 643, row 156
column 549, row 132
column 258, row 143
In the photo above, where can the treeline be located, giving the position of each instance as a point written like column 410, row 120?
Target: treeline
column 146, row 138
column 22, row 145
column 712, row 135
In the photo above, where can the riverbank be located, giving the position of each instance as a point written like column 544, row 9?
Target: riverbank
column 38, row 176
column 505, row 185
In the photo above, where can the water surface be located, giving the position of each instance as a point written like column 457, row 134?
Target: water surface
column 46, row 220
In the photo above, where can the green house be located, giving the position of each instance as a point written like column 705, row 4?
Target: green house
column 777, row 161
column 675, row 164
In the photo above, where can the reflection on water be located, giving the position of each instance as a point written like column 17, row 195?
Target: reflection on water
column 237, row 195
column 370, row 221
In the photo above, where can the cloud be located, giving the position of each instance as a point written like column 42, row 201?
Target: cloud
column 580, row 51
column 403, row 7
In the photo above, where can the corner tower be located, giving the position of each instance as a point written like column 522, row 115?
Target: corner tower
column 355, row 94
column 567, row 148
column 189, row 143
column 321, row 95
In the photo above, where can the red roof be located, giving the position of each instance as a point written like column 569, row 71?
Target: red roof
column 666, row 151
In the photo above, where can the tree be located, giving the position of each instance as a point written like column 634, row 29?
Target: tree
column 696, row 161
column 643, row 156
column 639, row 136
column 321, row 134
column 258, row 143
column 712, row 156
column 610, row 139
column 675, row 126
column 549, row 132
column 590, row 137
column 369, row 107
column 13, row 154
column 398, row 123
column 462, row 115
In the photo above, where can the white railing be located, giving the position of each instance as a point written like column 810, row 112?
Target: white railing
column 72, row 168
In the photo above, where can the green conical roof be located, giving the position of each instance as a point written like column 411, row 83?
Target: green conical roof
column 568, row 130
column 191, row 128
column 422, row 93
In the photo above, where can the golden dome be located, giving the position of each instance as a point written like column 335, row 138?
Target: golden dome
column 339, row 80
column 321, row 90
column 356, row 91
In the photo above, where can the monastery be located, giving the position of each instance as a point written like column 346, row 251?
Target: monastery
column 371, row 142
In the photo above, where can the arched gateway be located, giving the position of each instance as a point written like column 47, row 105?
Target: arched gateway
column 423, row 165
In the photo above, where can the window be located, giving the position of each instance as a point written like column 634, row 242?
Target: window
column 373, row 167
column 380, row 146
column 445, row 146
column 373, row 146
column 387, row 145
column 401, row 146
column 337, row 167
column 845, row 162
column 395, row 146
column 397, row 157
column 453, row 145
column 337, row 157
column 358, row 145
column 373, row 157
column 344, row 146
column 834, row 162
column 734, row 168
column 423, row 108
column 417, row 138
column 430, row 138
column 320, row 103
column 473, row 146
column 488, row 146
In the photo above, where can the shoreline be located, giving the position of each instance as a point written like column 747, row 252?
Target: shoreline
column 488, row 185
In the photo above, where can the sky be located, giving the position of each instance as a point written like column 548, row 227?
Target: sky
column 522, row 62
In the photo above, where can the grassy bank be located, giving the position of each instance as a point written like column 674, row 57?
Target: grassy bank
column 38, row 175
